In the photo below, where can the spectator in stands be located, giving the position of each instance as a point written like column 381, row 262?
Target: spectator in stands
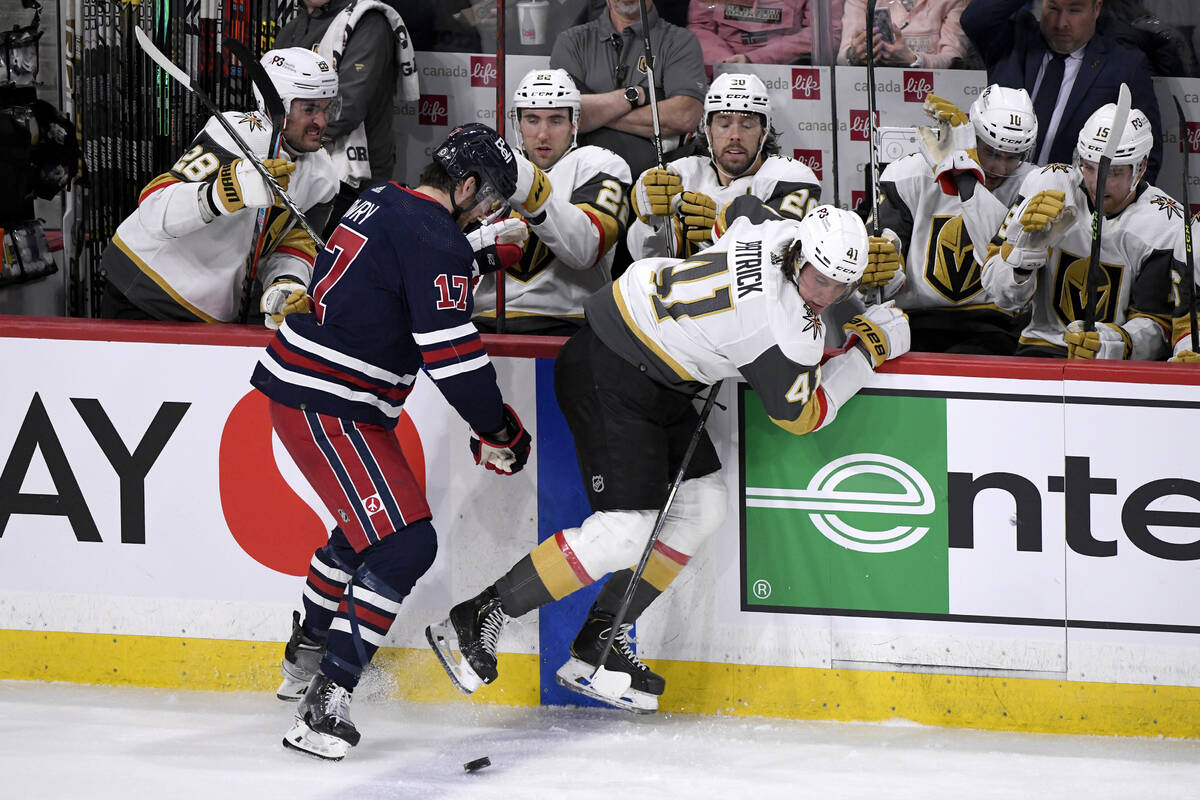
column 1066, row 66
column 605, row 59
column 1131, row 23
column 763, row 32
column 925, row 33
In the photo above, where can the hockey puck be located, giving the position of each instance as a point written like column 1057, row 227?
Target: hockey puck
column 477, row 764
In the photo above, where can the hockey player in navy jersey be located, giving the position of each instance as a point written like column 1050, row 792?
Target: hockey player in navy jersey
column 182, row 254
column 747, row 307
column 391, row 295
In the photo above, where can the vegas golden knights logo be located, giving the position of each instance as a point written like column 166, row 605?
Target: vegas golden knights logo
column 536, row 258
column 950, row 266
column 1070, row 288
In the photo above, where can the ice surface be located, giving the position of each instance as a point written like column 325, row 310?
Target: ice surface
column 96, row 743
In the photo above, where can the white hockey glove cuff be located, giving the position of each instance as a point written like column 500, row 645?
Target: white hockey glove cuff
column 533, row 189
column 506, row 450
column 499, row 245
column 885, row 265
column 1022, row 261
column 881, row 333
column 285, row 296
column 1110, row 342
column 1184, row 353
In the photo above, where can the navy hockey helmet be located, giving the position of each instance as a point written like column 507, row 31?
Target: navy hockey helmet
column 475, row 149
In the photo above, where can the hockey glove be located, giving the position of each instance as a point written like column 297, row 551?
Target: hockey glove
column 1044, row 219
column 507, row 457
column 238, row 185
column 286, row 295
column 499, row 245
column 881, row 332
column 533, row 188
column 954, row 130
column 1184, row 356
column 1108, row 341
column 653, row 193
column 953, row 167
column 698, row 212
column 885, row 265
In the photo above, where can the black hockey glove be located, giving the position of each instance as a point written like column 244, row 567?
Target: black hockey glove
column 507, row 457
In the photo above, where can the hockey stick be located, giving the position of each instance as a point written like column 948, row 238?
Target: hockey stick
column 500, row 33
column 275, row 110
column 876, row 293
column 611, row 683
column 652, row 97
column 182, row 78
column 1110, row 147
column 1190, row 277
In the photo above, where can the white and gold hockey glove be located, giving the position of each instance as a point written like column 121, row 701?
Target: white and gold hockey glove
column 954, row 130
column 1108, row 341
column 885, row 265
column 1044, row 219
column 881, row 333
column 698, row 213
column 1184, row 354
column 238, row 185
column 286, row 295
column 654, row 193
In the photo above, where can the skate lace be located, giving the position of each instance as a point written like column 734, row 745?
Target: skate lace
column 337, row 702
column 489, row 634
column 622, row 642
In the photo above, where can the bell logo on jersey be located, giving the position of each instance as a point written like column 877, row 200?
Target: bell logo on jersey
column 950, row 265
column 1070, row 289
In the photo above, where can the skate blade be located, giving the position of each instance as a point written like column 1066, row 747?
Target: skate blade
column 608, row 687
column 322, row 745
column 440, row 637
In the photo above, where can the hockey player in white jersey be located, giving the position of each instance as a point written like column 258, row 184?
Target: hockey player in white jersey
column 1041, row 254
column 749, row 307
column 937, row 225
column 182, row 254
column 677, row 206
column 575, row 201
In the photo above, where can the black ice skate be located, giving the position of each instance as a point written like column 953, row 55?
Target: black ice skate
column 301, row 661
column 641, row 696
column 323, row 727
column 466, row 641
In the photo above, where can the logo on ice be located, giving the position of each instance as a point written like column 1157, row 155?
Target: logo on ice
column 806, row 85
column 483, row 72
column 433, row 110
column 917, row 84
column 810, row 159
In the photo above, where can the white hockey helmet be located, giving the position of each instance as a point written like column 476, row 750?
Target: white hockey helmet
column 1004, row 119
column 1134, row 145
column 299, row 74
column 741, row 92
column 835, row 241
column 546, row 88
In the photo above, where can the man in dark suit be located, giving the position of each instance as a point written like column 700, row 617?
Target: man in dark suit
column 1062, row 52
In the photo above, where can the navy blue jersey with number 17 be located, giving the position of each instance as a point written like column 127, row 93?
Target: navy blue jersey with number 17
column 391, row 292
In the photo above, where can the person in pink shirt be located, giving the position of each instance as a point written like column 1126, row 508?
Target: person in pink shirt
column 757, row 31
column 926, row 33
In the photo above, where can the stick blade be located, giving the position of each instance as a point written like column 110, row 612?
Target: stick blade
column 1120, row 116
column 160, row 59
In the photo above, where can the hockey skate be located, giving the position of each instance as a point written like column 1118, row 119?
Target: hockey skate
column 301, row 661
column 639, row 695
column 465, row 642
column 323, row 727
